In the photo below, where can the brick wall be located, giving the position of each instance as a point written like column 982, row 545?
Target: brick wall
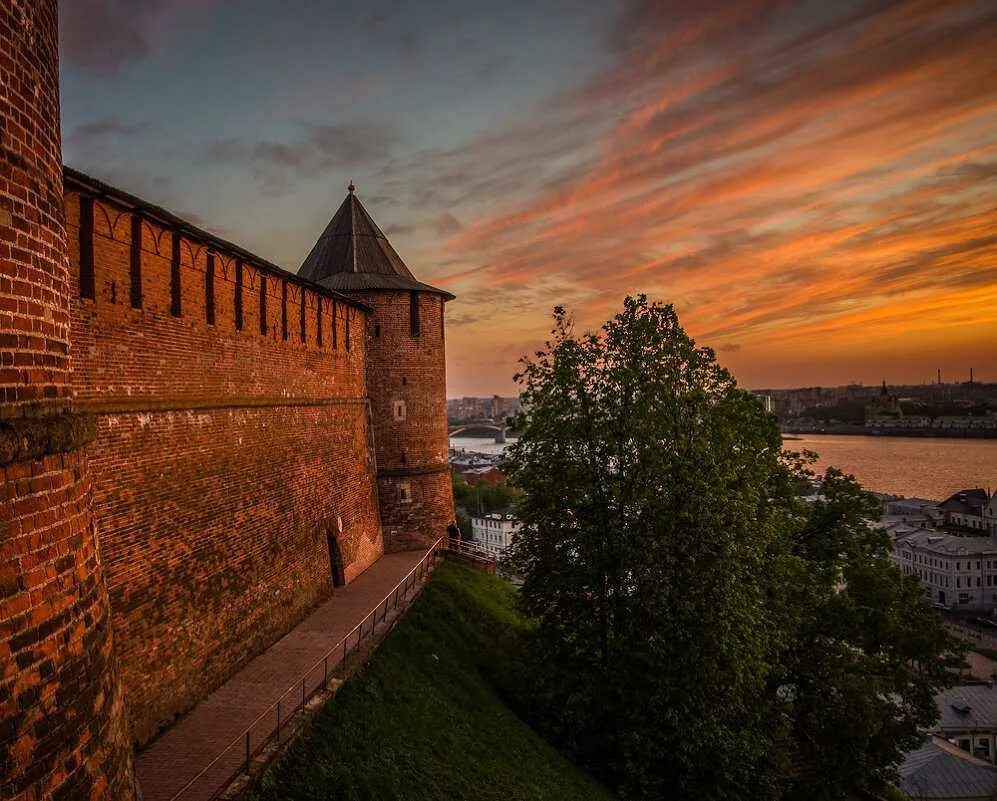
column 408, row 366
column 228, row 443
column 63, row 733
column 62, row 727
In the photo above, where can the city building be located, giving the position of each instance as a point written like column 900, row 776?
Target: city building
column 956, row 572
column 494, row 532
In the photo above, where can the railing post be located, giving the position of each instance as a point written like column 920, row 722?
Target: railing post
column 247, row 752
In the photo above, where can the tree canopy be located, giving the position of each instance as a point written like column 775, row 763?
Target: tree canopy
column 703, row 632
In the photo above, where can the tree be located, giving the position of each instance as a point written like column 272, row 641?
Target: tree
column 688, row 602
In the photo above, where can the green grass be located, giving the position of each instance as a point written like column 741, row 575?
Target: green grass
column 426, row 718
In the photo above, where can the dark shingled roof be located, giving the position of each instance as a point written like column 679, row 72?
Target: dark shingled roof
column 354, row 254
column 967, row 501
column 940, row 770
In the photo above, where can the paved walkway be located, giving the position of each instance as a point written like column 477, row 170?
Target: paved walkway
column 190, row 745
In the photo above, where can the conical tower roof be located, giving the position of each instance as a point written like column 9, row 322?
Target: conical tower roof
column 354, row 254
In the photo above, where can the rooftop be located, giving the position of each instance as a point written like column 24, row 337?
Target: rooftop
column 941, row 770
column 354, row 254
column 967, row 501
column 948, row 544
column 971, row 706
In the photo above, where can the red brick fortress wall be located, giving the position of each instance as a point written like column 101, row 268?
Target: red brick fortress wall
column 232, row 435
column 62, row 723
column 406, row 380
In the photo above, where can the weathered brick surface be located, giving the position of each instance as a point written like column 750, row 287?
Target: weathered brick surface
column 62, row 725
column 224, row 453
column 63, row 734
column 238, row 412
column 34, row 313
column 413, row 477
column 213, row 525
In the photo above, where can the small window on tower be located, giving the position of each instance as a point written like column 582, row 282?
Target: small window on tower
column 399, row 410
column 377, row 330
column 404, row 493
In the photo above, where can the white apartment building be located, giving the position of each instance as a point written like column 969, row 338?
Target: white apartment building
column 494, row 532
column 957, row 572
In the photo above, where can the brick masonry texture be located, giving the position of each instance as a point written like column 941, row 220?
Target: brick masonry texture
column 63, row 734
column 246, row 431
column 62, row 724
column 413, row 474
column 223, row 456
column 34, row 313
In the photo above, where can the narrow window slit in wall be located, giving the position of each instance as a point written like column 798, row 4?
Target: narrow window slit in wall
column 135, row 265
column 318, row 320
column 263, row 304
column 304, row 335
column 238, row 295
column 348, row 314
column 377, row 330
column 283, row 311
column 413, row 313
column 335, row 326
column 87, row 284
column 209, row 289
column 175, row 308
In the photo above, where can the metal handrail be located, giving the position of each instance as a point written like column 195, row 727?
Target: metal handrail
column 472, row 549
column 343, row 643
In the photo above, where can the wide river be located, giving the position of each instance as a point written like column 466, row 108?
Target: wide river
column 921, row 466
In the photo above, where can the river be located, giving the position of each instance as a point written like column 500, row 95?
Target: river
column 921, row 466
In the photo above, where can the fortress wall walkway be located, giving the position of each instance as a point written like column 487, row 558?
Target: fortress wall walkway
column 189, row 746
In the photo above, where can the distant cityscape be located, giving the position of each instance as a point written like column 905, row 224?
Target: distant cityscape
column 967, row 409
column 495, row 407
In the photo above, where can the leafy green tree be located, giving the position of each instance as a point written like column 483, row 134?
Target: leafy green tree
column 691, row 608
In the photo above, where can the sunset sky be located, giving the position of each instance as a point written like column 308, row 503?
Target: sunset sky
column 812, row 184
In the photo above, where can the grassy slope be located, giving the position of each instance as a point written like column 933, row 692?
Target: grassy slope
column 425, row 719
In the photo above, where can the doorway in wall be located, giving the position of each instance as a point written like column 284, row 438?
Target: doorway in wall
column 335, row 559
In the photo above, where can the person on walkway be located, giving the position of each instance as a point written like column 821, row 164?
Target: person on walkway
column 453, row 532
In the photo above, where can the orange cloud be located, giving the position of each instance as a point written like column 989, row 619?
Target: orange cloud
column 815, row 190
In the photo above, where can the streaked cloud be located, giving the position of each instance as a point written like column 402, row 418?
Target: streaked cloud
column 814, row 185
column 789, row 176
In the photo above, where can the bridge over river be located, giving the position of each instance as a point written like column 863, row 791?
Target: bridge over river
column 481, row 425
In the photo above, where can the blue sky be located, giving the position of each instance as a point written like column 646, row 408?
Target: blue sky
column 812, row 184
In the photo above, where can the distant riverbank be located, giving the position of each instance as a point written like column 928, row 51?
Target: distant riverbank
column 862, row 431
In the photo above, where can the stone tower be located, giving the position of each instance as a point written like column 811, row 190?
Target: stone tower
column 406, row 372
column 62, row 731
